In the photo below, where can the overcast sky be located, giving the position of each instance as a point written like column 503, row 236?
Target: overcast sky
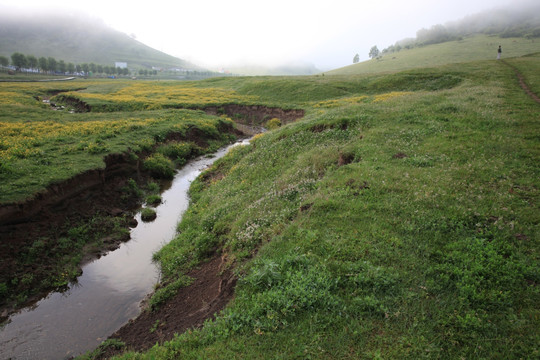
column 217, row 33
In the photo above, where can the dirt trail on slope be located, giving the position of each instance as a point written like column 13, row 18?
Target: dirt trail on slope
column 522, row 82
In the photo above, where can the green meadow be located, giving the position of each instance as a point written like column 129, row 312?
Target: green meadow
column 398, row 219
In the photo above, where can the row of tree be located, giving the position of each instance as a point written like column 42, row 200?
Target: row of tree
column 49, row 65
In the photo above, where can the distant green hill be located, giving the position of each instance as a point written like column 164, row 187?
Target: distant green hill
column 475, row 37
column 479, row 47
column 77, row 39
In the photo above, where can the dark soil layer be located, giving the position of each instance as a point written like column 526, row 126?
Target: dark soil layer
column 46, row 217
column 210, row 291
column 58, row 197
column 255, row 114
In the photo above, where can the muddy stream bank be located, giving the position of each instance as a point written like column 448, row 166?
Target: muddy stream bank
column 108, row 293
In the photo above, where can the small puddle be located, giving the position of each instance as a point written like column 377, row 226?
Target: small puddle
column 108, row 293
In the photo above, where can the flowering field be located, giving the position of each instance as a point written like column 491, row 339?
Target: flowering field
column 156, row 95
column 36, row 138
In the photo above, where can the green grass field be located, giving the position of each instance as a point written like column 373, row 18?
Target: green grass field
column 398, row 219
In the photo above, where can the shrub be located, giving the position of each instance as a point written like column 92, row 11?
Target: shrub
column 131, row 189
column 273, row 123
column 153, row 187
column 177, row 151
column 159, row 166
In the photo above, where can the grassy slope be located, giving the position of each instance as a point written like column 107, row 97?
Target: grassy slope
column 360, row 252
column 479, row 47
column 529, row 66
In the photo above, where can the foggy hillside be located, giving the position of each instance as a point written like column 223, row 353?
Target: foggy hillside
column 76, row 38
column 507, row 22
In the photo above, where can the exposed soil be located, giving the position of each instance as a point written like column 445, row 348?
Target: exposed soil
column 211, row 290
column 255, row 114
column 399, row 155
column 80, row 106
column 46, row 215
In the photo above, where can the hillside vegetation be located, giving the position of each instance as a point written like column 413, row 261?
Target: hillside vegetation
column 398, row 219
column 473, row 48
column 475, row 37
column 77, row 39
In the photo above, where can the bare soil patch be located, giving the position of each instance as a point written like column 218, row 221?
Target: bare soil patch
column 211, row 290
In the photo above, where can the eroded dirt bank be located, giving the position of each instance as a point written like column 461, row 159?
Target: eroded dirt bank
column 255, row 114
column 50, row 204
column 45, row 219
column 211, row 290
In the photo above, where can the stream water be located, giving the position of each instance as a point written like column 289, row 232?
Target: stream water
column 108, row 293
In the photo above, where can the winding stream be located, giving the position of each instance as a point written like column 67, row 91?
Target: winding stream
column 108, row 293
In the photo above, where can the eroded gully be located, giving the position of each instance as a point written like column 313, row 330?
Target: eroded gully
column 108, row 293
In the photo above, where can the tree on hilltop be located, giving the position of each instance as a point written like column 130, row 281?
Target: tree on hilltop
column 374, row 52
column 356, row 59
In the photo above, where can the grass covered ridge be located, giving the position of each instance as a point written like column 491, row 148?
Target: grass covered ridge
column 405, row 227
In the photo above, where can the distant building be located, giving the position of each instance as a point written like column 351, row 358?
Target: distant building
column 121, row 65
